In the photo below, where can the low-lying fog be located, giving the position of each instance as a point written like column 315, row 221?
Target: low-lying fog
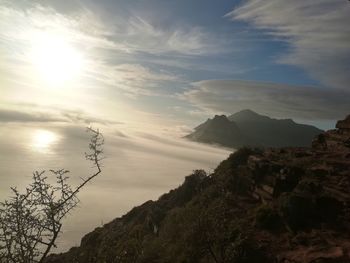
column 139, row 166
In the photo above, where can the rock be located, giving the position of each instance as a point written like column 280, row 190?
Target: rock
column 328, row 209
column 317, row 255
column 320, row 171
column 320, row 142
column 297, row 210
column 344, row 124
column 268, row 189
column 347, row 143
column 287, row 180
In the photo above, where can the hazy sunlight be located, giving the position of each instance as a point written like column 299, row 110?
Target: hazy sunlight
column 55, row 59
column 42, row 140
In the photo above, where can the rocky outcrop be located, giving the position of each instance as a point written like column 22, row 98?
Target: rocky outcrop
column 311, row 188
column 344, row 125
column 287, row 205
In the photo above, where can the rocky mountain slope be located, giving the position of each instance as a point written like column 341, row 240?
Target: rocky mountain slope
column 247, row 128
column 275, row 205
column 218, row 130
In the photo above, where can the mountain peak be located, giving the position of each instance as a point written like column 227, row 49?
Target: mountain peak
column 248, row 128
column 221, row 118
column 246, row 112
column 218, row 130
column 247, row 115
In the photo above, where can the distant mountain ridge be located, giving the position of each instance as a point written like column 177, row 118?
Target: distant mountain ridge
column 248, row 128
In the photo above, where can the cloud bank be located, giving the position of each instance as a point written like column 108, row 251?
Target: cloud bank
column 18, row 116
column 35, row 114
column 278, row 100
column 138, row 167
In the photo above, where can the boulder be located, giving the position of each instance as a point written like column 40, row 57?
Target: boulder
column 344, row 124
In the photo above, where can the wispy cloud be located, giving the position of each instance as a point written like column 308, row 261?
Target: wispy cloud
column 35, row 114
column 21, row 29
column 132, row 79
column 20, row 25
column 128, row 34
column 278, row 100
column 18, row 116
column 111, row 56
column 137, row 34
column 316, row 31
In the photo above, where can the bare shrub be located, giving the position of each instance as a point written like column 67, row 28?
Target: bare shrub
column 30, row 222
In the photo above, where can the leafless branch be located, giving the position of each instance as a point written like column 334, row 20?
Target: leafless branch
column 31, row 222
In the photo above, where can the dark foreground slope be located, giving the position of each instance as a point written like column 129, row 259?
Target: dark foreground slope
column 278, row 205
column 248, row 128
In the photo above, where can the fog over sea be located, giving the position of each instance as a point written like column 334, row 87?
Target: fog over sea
column 139, row 166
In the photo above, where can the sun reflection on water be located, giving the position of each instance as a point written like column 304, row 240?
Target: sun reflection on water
column 43, row 140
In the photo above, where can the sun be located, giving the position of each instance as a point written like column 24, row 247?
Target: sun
column 42, row 140
column 55, row 59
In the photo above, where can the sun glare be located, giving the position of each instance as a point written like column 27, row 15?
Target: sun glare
column 43, row 140
column 55, row 59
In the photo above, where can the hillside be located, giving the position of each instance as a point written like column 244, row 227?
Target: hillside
column 277, row 205
column 247, row 128
column 218, row 130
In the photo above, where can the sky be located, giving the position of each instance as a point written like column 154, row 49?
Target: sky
column 146, row 72
column 168, row 65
